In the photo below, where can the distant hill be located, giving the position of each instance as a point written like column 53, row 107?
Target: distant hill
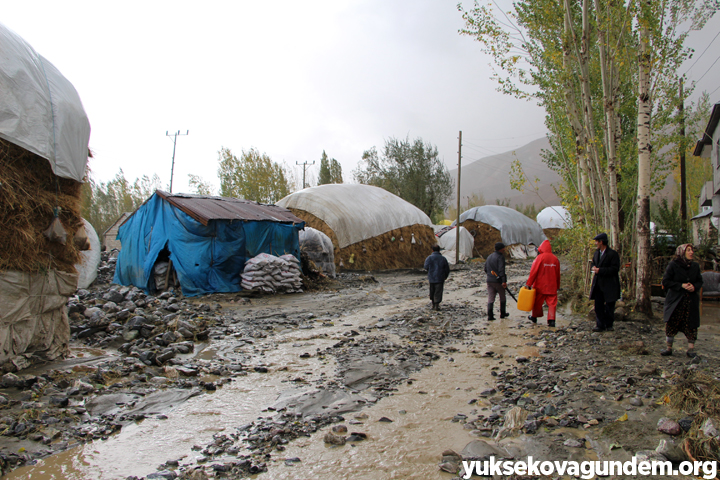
column 490, row 176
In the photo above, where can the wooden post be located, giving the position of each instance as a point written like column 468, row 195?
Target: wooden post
column 457, row 224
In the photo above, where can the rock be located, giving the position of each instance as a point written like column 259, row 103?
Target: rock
column 574, row 443
column 355, row 438
column 450, row 467
column 113, row 296
column 686, row 423
column 59, row 401
column 339, row 429
column 666, row 425
column 709, row 428
column 672, row 450
column 521, row 359
column 550, row 410
column 531, row 426
column 620, row 314
column 130, row 335
column 647, row 370
column 92, row 311
column 333, row 439
column 488, row 392
column 649, row 456
column 11, row 380
column 165, row 355
column 551, row 422
column 636, row 402
column 162, row 474
column 261, row 369
column 385, row 419
column 481, row 450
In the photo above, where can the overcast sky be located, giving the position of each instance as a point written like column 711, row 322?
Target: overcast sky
column 289, row 78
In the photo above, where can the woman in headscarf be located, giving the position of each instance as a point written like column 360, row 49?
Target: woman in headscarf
column 682, row 282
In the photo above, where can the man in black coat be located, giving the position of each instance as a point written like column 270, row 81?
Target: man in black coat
column 438, row 270
column 605, row 288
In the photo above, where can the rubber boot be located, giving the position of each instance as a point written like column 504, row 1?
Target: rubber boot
column 668, row 351
column 551, row 323
column 532, row 319
column 503, row 312
column 491, row 316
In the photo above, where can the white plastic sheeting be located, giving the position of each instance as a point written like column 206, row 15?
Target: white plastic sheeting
column 33, row 315
column 319, row 249
column 40, row 110
column 447, row 244
column 356, row 212
column 88, row 266
column 514, row 226
column 554, row 217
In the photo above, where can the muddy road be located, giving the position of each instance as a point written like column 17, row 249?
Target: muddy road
column 360, row 380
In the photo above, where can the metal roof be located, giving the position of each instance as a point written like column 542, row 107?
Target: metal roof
column 205, row 208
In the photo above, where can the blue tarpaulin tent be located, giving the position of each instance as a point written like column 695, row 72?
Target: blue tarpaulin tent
column 209, row 239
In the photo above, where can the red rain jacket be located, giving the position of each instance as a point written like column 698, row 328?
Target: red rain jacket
column 545, row 271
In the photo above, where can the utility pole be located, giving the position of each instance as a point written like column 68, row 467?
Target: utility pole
column 683, row 184
column 305, row 165
column 457, row 224
column 174, row 140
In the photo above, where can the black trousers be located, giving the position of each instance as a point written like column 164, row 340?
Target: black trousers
column 604, row 311
column 436, row 292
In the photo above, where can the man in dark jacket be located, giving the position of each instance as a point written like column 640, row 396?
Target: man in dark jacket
column 438, row 271
column 605, row 288
column 496, row 280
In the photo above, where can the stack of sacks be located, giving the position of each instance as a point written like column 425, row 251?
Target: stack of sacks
column 269, row 273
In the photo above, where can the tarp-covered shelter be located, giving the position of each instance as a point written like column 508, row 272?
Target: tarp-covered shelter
column 44, row 135
column 207, row 239
column 319, row 249
column 494, row 223
column 553, row 220
column 371, row 229
column 447, row 240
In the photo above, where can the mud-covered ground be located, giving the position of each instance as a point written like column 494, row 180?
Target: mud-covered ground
column 359, row 379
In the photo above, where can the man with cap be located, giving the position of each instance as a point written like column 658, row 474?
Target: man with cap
column 496, row 280
column 605, row 289
column 438, row 270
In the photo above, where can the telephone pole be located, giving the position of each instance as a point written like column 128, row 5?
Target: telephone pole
column 683, row 184
column 174, row 140
column 457, row 224
column 305, row 165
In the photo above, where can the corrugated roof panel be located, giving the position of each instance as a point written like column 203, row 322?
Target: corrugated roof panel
column 204, row 208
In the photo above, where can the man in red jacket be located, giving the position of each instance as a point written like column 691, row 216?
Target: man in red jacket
column 545, row 279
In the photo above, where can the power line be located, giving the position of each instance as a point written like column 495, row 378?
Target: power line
column 706, row 72
column 703, row 53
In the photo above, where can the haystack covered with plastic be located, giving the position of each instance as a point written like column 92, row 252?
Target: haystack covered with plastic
column 370, row 228
column 493, row 223
column 44, row 136
column 554, row 220
column 319, row 249
column 447, row 239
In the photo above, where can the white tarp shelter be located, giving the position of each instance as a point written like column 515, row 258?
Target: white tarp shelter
column 514, row 227
column 356, row 212
column 319, row 249
column 447, row 243
column 554, row 217
column 40, row 110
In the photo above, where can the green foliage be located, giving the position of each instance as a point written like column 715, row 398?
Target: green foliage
column 103, row 203
column 252, row 176
column 412, row 171
column 330, row 170
column 199, row 186
column 670, row 230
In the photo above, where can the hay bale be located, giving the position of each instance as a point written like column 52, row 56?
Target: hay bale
column 29, row 191
column 484, row 235
column 552, row 233
column 380, row 252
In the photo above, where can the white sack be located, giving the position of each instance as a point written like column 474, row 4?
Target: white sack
column 90, row 259
column 554, row 217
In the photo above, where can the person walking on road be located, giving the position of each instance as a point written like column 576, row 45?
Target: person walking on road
column 605, row 289
column 682, row 282
column 438, row 270
column 496, row 280
column 545, row 279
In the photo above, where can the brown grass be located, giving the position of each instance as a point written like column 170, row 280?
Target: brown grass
column 552, row 233
column 29, row 191
column 381, row 252
column 484, row 235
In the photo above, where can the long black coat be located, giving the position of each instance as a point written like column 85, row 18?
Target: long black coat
column 607, row 280
column 675, row 275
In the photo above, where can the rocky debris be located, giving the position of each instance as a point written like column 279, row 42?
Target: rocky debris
column 672, row 450
column 671, row 427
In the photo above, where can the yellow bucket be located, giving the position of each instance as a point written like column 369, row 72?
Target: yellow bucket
column 526, row 299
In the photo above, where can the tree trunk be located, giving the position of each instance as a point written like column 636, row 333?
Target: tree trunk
column 642, row 285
